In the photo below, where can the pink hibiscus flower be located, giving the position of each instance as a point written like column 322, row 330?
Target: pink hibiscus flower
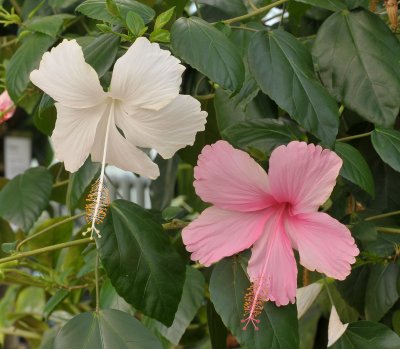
column 272, row 212
column 7, row 107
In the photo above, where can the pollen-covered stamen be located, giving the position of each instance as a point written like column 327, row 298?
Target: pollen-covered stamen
column 98, row 199
column 254, row 301
column 97, row 203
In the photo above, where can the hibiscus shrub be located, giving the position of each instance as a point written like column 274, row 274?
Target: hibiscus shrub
column 275, row 192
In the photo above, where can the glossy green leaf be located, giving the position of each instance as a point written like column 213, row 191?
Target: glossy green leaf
column 24, row 60
column 49, row 25
column 278, row 325
column 24, row 198
column 160, row 35
column 192, row 298
column 361, row 69
column 135, row 23
column 262, row 134
column 387, row 144
column 101, row 52
column 283, row 68
column 332, row 5
column 355, row 168
column 208, row 50
column 163, row 18
column 382, row 291
column 367, row 335
column 80, row 181
column 97, row 9
column 141, row 262
column 108, row 329
column 45, row 115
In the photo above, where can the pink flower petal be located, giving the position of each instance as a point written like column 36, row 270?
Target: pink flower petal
column 272, row 266
column 231, row 179
column 303, row 175
column 219, row 233
column 324, row 244
column 7, row 107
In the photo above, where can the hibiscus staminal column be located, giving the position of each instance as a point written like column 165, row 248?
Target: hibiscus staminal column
column 98, row 199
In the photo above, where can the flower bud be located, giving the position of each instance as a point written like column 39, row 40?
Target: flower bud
column 7, row 107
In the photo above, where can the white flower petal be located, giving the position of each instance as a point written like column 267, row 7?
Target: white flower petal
column 122, row 153
column 65, row 76
column 335, row 327
column 74, row 133
column 146, row 76
column 166, row 130
column 305, row 297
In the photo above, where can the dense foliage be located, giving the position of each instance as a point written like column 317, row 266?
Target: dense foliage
column 325, row 72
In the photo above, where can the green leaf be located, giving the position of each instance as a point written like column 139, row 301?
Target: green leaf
column 80, row 181
column 24, row 60
column 141, row 262
column 23, row 199
column 209, row 51
column 387, row 144
column 54, row 301
column 278, row 325
column 45, row 115
column 332, row 5
column 160, row 35
column 163, row 18
column 357, row 57
column 7, row 237
column 365, row 231
column 367, row 335
column 232, row 8
column 112, row 8
column 135, row 23
column 382, row 291
column 101, row 52
column 283, row 68
column 49, row 25
column 107, row 329
column 109, row 299
column 97, row 9
column 216, row 328
column 355, row 168
column 192, row 298
column 262, row 134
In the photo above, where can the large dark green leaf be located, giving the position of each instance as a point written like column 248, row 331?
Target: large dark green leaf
column 278, row 325
column 355, row 168
column 333, row 5
column 24, row 60
column 97, row 9
column 358, row 59
column 49, row 25
column 192, row 297
column 80, row 181
column 263, row 134
column 7, row 235
column 108, row 329
column 382, row 291
column 232, row 8
column 101, row 52
column 141, row 262
column 367, row 335
column 209, row 51
column 24, row 198
column 283, row 68
column 387, row 144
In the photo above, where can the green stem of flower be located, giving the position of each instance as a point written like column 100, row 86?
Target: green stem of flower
column 33, row 236
column 196, row 3
column 11, row 331
column 259, row 11
column 388, row 230
column 60, row 183
column 243, row 28
column 96, row 276
column 350, row 138
column 383, row 215
column 46, row 249
column 341, row 109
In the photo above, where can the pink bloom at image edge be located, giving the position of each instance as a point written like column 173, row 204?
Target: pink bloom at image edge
column 7, row 107
column 273, row 213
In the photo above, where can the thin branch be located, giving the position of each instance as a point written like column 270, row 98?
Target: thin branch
column 383, row 215
column 349, row 138
column 259, row 11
